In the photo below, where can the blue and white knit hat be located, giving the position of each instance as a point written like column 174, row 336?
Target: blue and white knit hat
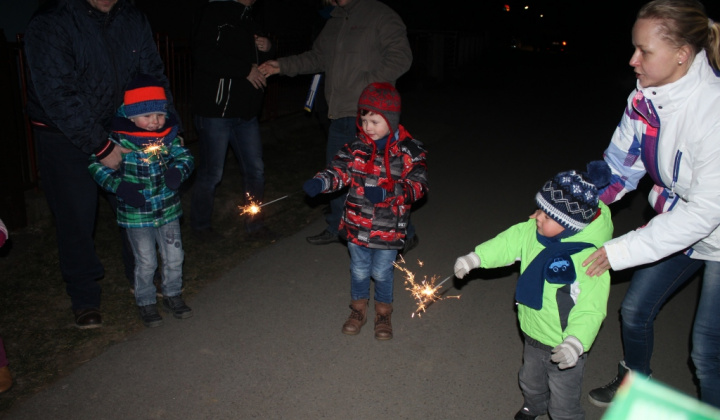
column 144, row 95
column 571, row 198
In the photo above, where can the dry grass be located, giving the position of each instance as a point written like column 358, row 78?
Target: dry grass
column 36, row 323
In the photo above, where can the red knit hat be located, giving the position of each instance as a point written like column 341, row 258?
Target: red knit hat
column 144, row 95
column 382, row 99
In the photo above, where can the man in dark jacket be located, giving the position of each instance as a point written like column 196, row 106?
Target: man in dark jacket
column 81, row 54
column 228, row 91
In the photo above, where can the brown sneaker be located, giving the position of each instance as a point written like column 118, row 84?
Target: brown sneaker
column 383, row 327
column 357, row 318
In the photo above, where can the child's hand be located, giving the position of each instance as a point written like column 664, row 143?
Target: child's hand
column 130, row 194
column 375, row 194
column 173, row 178
column 567, row 353
column 464, row 264
column 313, row 187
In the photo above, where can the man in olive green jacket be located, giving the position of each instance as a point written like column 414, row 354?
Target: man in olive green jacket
column 363, row 42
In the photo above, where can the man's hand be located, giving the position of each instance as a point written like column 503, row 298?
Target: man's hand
column 263, row 44
column 256, row 78
column 269, row 68
column 114, row 159
column 598, row 262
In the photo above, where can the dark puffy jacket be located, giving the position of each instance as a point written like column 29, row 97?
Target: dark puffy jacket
column 223, row 54
column 359, row 164
column 80, row 61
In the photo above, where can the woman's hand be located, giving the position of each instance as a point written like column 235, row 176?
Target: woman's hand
column 598, row 262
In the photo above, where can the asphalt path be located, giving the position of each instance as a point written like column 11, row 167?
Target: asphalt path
column 265, row 341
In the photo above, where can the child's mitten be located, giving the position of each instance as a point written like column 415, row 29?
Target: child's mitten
column 313, row 187
column 130, row 193
column 567, row 353
column 464, row 264
column 173, row 178
column 375, row 194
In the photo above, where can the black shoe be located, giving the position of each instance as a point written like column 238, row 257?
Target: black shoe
column 88, row 318
column 324, row 238
column 150, row 316
column 177, row 307
column 524, row 414
column 410, row 244
column 602, row 397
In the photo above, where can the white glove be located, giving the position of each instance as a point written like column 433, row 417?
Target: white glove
column 466, row 263
column 566, row 354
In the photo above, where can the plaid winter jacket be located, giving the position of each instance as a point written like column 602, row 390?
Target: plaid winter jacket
column 162, row 204
column 359, row 164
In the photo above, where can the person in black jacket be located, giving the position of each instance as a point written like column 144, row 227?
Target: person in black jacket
column 81, row 54
column 228, row 91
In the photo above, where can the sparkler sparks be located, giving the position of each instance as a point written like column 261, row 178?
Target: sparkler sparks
column 253, row 208
column 156, row 149
column 426, row 291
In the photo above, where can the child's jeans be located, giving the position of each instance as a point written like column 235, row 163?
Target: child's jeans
column 546, row 388
column 376, row 263
column 168, row 241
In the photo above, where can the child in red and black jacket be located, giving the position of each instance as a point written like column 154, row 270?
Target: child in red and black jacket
column 386, row 173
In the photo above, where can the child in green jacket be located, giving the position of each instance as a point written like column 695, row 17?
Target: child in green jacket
column 146, row 184
column 560, row 308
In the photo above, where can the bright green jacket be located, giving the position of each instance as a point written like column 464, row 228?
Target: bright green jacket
column 590, row 294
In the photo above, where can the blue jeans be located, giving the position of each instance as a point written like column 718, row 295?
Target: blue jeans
column 143, row 242
column 215, row 134
column 649, row 289
column 548, row 389
column 72, row 196
column 341, row 132
column 367, row 263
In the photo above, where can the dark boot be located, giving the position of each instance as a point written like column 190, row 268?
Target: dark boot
column 383, row 327
column 601, row 397
column 357, row 318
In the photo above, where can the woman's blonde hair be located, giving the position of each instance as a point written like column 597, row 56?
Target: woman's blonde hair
column 684, row 22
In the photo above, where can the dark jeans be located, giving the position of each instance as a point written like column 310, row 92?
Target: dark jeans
column 650, row 287
column 341, row 132
column 215, row 134
column 72, row 196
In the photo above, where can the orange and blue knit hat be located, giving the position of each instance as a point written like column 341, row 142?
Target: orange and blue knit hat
column 145, row 95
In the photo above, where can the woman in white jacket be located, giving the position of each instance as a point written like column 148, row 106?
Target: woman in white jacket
column 670, row 131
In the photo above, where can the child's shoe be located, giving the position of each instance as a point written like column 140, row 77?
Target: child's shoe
column 357, row 318
column 383, row 327
column 150, row 316
column 177, row 307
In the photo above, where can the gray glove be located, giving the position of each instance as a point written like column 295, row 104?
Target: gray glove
column 464, row 264
column 567, row 353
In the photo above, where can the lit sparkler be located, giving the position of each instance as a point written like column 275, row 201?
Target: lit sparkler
column 156, row 149
column 426, row 291
column 253, row 208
